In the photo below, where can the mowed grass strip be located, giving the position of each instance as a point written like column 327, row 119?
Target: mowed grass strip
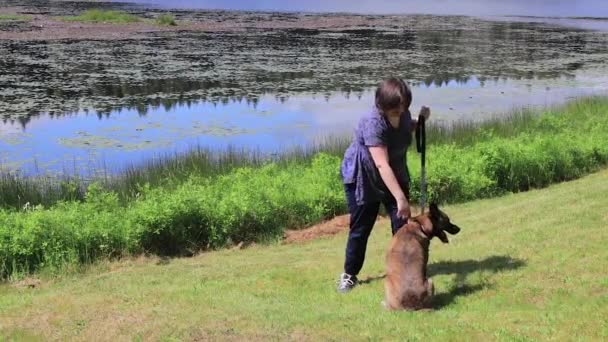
column 527, row 266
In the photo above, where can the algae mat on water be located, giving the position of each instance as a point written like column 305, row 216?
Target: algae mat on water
column 529, row 266
column 348, row 53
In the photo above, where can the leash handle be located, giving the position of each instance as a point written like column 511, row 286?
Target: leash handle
column 421, row 147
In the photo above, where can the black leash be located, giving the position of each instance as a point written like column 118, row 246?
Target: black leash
column 421, row 147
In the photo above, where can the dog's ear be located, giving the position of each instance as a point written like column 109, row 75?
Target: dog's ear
column 441, row 235
column 434, row 209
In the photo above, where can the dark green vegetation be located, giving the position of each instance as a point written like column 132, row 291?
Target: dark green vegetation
column 237, row 203
column 526, row 267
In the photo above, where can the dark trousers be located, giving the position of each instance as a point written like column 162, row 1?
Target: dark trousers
column 362, row 219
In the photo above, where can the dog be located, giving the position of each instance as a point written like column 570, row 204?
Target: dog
column 406, row 286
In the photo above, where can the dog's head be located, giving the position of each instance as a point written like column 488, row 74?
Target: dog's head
column 441, row 223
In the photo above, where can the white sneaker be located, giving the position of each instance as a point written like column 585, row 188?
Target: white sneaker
column 346, row 282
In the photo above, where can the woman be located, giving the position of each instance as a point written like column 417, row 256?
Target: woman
column 374, row 170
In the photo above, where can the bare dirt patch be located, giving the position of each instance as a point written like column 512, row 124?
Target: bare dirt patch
column 28, row 283
column 331, row 227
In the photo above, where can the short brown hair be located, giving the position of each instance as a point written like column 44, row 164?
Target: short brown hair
column 392, row 93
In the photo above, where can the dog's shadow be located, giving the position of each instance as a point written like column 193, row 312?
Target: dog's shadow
column 462, row 269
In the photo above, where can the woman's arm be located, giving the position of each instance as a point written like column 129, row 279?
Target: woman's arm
column 380, row 156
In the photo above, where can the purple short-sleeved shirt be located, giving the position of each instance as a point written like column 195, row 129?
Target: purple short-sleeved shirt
column 358, row 167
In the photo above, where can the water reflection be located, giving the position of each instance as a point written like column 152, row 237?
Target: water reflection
column 85, row 143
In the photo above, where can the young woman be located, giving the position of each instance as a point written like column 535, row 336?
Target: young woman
column 374, row 170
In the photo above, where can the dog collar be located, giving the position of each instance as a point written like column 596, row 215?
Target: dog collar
column 422, row 228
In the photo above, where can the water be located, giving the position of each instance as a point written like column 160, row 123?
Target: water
column 91, row 106
column 88, row 144
column 562, row 8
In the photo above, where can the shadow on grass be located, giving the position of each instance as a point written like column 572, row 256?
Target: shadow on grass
column 370, row 280
column 462, row 269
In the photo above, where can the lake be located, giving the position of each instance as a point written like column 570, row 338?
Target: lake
column 85, row 105
column 540, row 8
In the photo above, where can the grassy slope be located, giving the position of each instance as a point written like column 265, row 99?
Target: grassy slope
column 526, row 266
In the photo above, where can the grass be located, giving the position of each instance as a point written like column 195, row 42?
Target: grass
column 171, row 170
column 165, row 171
column 104, row 16
column 467, row 132
column 119, row 17
column 256, row 204
column 166, row 20
column 529, row 266
column 14, row 17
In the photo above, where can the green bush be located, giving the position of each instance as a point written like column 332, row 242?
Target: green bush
column 68, row 233
column 256, row 203
column 245, row 205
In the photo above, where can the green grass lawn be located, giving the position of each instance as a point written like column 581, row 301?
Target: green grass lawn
column 530, row 266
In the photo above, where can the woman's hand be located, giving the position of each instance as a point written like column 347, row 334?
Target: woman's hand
column 403, row 209
column 426, row 112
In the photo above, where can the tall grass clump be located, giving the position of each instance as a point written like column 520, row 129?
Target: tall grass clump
column 256, row 202
column 467, row 132
column 167, row 171
column 104, row 16
column 166, row 20
column 561, row 144
column 18, row 192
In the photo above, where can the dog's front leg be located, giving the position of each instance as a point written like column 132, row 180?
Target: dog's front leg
column 430, row 292
column 430, row 288
column 392, row 297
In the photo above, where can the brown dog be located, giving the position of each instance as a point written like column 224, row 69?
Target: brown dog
column 406, row 286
